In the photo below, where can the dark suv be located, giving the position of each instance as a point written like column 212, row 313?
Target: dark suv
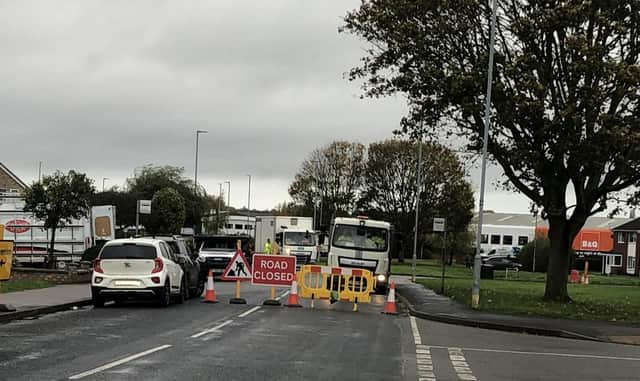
column 188, row 262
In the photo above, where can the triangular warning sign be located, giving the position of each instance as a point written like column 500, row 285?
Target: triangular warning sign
column 238, row 268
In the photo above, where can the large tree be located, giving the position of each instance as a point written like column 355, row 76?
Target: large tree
column 390, row 187
column 57, row 200
column 331, row 177
column 167, row 212
column 154, row 178
column 565, row 117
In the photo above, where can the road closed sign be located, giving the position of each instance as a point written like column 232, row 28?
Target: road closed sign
column 273, row 270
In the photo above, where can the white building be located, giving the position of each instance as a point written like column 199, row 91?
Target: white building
column 236, row 224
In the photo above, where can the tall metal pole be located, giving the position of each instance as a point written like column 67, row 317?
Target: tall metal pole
column 535, row 242
column 228, row 194
column 219, row 198
column 40, row 171
column 249, row 201
column 477, row 263
column 103, row 180
column 418, row 187
column 195, row 177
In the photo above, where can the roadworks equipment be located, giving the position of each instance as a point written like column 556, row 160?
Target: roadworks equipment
column 210, row 294
column 390, row 306
column 292, row 299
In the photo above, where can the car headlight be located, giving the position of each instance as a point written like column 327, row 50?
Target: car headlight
column 381, row 278
column 287, row 251
column 202, row 259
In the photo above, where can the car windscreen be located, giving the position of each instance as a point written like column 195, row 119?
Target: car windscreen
column 299, row 239
column 219, row 243
column 128, row 251
column 360, row 238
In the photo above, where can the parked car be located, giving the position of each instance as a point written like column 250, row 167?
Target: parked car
column 217, row 250
column 188, row 262
column 137, row 268
column 502, row 263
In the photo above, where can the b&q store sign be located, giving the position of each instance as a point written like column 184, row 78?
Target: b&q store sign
column 589, row 239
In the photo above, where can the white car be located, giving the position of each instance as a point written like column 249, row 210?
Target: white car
column 137, row 268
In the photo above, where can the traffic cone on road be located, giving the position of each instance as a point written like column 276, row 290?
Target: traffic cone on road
column 210, row 294
column 390, row 306
column 292, row 299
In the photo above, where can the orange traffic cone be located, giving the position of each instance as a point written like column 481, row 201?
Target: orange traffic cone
column 292, row 300
column 210, row 295
column 390, row 305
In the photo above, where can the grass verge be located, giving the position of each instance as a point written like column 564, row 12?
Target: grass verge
column 23, row 284
column 592, row 302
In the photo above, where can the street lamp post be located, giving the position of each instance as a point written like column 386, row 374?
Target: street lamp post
column 418, row 187
column 535, row 240
column 477, row 263
column 195, row 177
column 228, row 194
column 219, row 198
column 249, row 207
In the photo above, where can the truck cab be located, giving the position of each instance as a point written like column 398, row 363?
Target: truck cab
column 303, row 244
column 362, row 243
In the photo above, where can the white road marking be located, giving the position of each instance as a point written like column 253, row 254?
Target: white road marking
column 206, row 331
column 460, row 364
column 119, row 362
column 570, row 355
column 246, row 313
column 416, row 333
column 283, row 295
column 424, row 363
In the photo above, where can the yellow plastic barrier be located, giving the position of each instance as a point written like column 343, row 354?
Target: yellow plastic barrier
column 6, row 259
column 336, row 283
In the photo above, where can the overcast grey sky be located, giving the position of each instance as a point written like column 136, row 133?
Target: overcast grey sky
column 107, row 86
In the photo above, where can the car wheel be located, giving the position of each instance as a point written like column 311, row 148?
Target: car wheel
column 184, row 292
column 98, row 301
column 197, row 292
column 164, row 299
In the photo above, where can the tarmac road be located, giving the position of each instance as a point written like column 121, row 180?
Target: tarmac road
column 198, row 341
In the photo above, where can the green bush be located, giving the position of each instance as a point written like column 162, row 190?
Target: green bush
column 542, row 249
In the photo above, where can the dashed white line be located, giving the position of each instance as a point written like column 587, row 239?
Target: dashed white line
column 118, row 362
column 206, row 331
column 424, row 363
column 460, row 365
column 246, row 313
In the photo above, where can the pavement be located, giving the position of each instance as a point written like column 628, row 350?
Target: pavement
column 425, row 303
column 44, row 300
column 198, row 341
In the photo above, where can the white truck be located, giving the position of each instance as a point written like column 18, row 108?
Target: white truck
column 295, row 234
column 362, row 243
column 32, row 240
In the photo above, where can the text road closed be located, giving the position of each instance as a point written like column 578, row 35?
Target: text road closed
column 273, row 270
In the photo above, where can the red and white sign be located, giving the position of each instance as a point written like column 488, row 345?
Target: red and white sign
column 238, row 268
column 589, row 241
column 273, row 270
column 12, row 226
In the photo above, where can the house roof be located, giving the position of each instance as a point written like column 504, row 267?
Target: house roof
column 631, row 225
column 12, row 175
column 522, row 219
